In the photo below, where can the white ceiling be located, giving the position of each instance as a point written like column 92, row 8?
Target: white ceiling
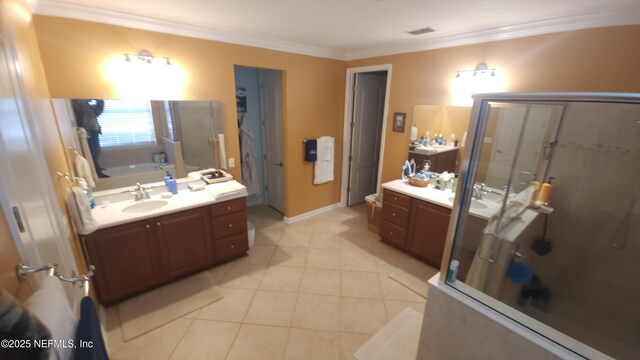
column 348, row 29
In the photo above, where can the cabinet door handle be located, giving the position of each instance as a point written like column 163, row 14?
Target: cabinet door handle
column 230, row 225
column 390, row 233
column 393, row 214
column 395, row 198
column 147, row 226
column 158, row 223
column 232, row 246
column 228, row 207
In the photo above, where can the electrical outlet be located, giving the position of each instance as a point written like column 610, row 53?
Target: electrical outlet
column 232, row 162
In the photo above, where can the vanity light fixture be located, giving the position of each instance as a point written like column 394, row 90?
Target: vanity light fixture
column 145, row 56
column 481, row 69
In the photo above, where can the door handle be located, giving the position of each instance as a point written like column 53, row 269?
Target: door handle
column 279, row 164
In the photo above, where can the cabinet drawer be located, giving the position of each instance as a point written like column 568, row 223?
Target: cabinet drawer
column 231, row 247
column 227, row 207
column 227, row 225
column 396, row 199
column 393, row 234
column 395, row 214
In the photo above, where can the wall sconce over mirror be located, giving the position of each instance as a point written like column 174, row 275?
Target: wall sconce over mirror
column 145, row 56
column 145, row 76
column 481, row 79
column 481, row 69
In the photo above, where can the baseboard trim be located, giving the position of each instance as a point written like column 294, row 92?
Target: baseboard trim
column 310, row 214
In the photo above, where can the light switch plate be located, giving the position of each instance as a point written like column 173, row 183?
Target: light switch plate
column 232, row 162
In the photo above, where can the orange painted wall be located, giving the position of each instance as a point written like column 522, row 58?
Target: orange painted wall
column 74, row 54
column 604, row 59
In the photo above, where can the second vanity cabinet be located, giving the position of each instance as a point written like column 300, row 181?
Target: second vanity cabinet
column 416, row 226
column 143, row 254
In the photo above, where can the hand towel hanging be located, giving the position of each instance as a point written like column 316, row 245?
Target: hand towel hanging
column 324, row 164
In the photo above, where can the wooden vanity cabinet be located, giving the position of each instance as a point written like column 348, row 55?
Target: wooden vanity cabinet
column 138, row 256
column 184, row 239
column 395, row 218
column 126, row 260
column 415, row 226
column 229, row 224
column 441, row 162
column 428, row 231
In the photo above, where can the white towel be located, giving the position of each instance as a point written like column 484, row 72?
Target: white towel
column 83, row 170
column 324, row 165
column 49, row 304
column 226, row 190
column 80, row 211
column 84, row 144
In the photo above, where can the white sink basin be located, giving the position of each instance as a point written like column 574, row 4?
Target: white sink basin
column 145, row 206
column 475, row 204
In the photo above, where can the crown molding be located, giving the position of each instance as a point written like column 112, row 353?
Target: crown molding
column 549, row 26
column 79, row 12
column 569, row 23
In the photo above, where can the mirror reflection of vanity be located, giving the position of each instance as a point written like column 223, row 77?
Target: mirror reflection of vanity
column 437, row 119
column 137, row 141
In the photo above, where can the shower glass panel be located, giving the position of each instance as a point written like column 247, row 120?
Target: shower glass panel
column 569, row 268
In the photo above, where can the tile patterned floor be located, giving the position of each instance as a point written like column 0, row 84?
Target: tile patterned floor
column 314, row 289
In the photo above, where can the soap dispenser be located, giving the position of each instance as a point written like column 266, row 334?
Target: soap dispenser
column 172, row 185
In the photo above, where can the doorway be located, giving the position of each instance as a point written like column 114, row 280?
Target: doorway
column 365, row 121
column 259, row 107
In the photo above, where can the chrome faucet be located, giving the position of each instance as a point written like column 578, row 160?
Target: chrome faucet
column 140, row 192
column 480, row 190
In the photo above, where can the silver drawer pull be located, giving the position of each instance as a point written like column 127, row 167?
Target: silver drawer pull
column 230, row 225
column 228, row 207
column 393, row 214
column 147, row 226
column 232, row 246
column 395, row 198
column 390, row 233
column 158, row 224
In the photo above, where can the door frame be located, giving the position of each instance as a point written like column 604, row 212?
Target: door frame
column 348, row 113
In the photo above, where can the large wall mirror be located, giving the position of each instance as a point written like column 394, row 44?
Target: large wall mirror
column 137, row 141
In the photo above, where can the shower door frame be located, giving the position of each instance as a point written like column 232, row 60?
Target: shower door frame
column 538, row 332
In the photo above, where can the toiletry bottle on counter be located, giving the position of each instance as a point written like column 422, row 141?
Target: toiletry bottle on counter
column 82, row 183
column 172, row 185
column 452, row 274
column 545, row 192
column 167, row 177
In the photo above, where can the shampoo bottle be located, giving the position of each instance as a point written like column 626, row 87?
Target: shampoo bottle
column 545, row 192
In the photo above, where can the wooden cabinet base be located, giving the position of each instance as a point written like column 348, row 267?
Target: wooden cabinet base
column 136, row 257
column 415, row 226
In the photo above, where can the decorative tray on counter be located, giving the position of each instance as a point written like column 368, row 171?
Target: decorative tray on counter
column 211, row 176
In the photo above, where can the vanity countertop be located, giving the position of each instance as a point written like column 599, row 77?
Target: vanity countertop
column 445, row 199
column 110, row 211
column 431, row 150
column 442, row 198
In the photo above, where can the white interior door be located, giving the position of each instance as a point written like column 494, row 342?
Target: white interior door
column 366, row 131
column 26, row 193
column 271, row 111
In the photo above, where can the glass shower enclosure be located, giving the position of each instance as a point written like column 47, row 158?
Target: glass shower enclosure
column 546, row 225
